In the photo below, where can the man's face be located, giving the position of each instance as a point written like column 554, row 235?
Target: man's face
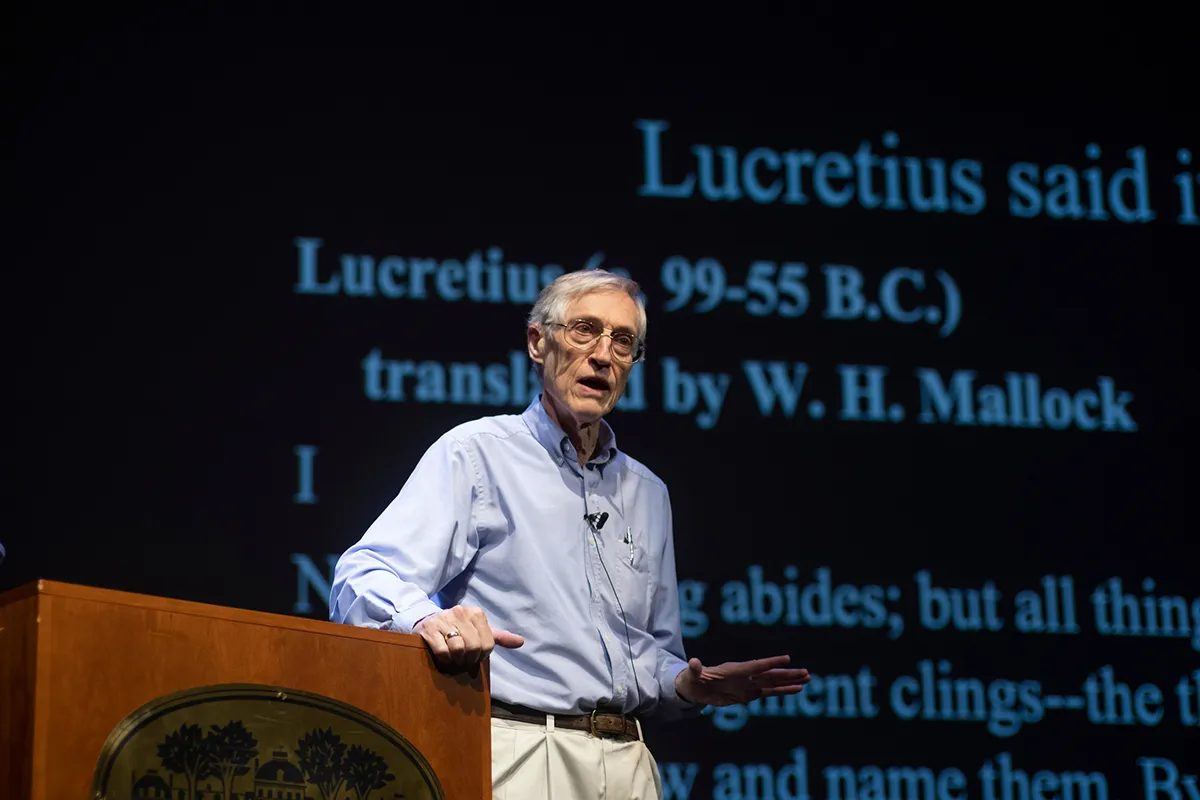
column 586, row 383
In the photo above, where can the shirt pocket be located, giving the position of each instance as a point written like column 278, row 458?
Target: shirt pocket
column 634, row 575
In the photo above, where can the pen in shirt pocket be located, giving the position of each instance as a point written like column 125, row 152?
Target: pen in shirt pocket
column 629, row 541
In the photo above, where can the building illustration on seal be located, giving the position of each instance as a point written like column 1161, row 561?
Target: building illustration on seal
column 224, row 763
column 252, row 742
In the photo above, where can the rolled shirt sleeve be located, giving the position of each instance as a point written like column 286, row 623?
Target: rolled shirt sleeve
column 424, row 538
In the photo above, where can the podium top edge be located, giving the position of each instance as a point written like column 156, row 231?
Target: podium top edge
column 74, row 591
column 22, row 592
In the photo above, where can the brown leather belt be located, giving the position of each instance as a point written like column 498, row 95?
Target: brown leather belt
column 603, row 724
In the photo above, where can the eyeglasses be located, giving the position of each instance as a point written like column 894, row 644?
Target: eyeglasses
column 585, row 333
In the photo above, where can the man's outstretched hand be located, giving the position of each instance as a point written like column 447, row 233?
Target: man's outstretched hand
column 736, row 682
column 460, row 637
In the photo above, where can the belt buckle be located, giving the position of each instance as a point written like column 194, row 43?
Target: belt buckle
column 592, row 724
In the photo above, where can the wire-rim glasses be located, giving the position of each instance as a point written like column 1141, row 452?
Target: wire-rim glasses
column 583, row 334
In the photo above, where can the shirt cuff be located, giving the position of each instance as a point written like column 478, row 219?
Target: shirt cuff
column 404, row 621
column 669, row 695
column 680, row 699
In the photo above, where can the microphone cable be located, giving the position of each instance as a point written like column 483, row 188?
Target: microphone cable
column 617, row 596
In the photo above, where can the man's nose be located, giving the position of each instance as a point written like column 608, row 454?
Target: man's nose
column 602, row 352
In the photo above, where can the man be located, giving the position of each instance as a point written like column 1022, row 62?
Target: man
column 552, row 553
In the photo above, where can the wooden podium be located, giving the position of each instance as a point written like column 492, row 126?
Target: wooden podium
column 76, row 663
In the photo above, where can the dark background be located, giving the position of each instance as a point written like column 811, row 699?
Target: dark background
column 159, row 166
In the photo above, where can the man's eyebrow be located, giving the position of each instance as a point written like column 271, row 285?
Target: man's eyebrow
column 598, row 321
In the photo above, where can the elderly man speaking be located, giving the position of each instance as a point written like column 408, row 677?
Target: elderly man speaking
column 551, row 552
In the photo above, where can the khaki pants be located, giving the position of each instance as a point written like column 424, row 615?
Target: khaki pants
column 541, row 762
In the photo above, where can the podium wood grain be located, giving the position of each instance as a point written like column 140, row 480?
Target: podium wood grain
column 75, row 660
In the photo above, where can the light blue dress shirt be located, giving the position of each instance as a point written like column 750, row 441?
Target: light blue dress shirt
column 493, row 516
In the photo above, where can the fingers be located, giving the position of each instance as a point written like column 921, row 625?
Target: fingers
column 433, row 630
column 765, row 664
column 477, row 632
column 460, row 637
column 471, row 623
column 758, row 666
column 458, row 643
column 782, row 677
column 779, row 682
column 448, row 650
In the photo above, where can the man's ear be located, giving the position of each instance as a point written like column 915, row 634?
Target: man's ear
column 536, row 343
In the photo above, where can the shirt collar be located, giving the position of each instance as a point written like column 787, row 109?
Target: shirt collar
column 558, row 444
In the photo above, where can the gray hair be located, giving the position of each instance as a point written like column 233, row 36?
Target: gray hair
column 552, row 301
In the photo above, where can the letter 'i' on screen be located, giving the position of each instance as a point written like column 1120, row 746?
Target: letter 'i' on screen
column 1187, row 195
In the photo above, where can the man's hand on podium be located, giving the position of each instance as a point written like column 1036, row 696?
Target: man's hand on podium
column 461, row 637
column 736, row 682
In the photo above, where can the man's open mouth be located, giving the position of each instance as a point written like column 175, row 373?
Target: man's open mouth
column 595, row 383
